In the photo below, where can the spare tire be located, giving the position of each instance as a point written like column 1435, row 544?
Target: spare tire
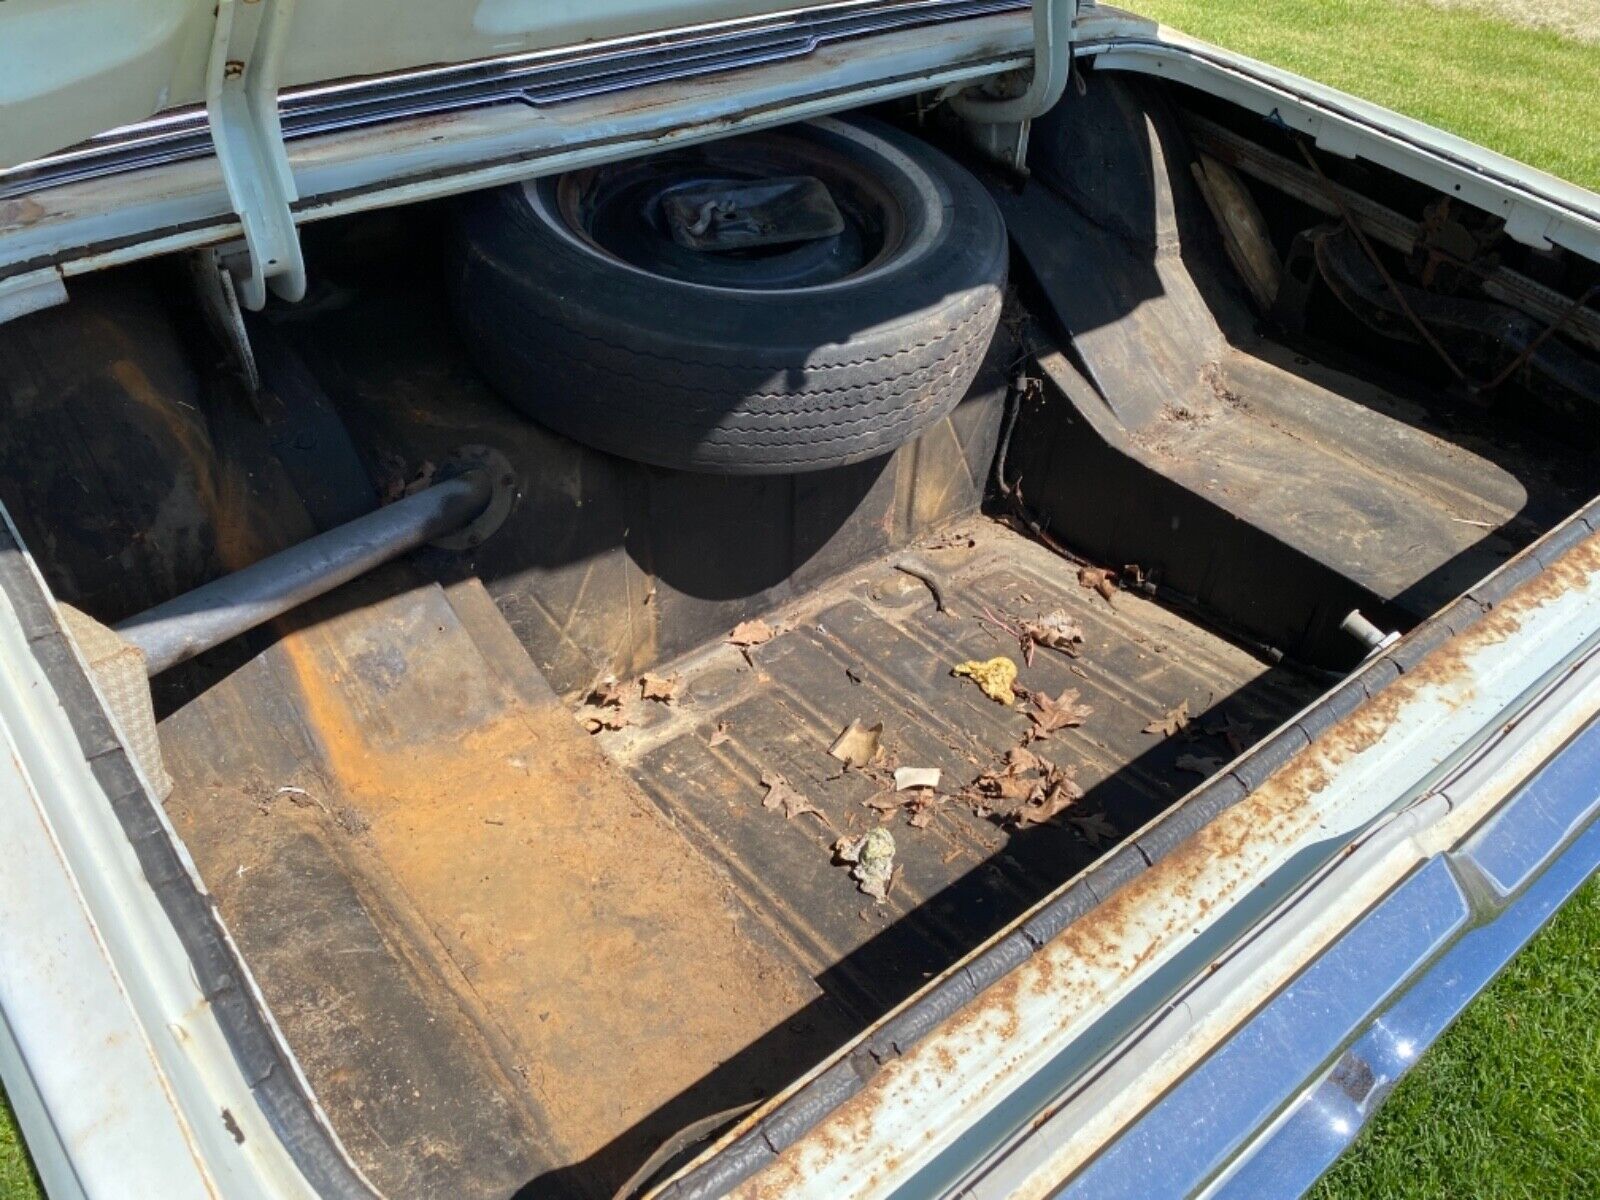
column 836, row 347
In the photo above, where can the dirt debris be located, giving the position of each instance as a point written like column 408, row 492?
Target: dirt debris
column 954, row 539
column 604, row 706
column 603, row 721
column 751, row 633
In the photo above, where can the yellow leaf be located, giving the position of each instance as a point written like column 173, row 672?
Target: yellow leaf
column 995, row 677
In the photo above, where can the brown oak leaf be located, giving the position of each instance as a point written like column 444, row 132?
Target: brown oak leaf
column 661, row 688
column 1060, row 793
column 781, row 795
column 1206, row 765
column 751, row 633
column 1055, row 630
column 1049, row 715
column 1174, row 720
column 1100, row 580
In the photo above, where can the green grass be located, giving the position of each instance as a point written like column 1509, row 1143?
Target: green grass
column 17, row 1180
column 1507, row 1104
column 1529, row 94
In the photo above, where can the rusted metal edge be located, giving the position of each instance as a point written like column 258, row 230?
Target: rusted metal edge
column 265, row 1061
column 760, row 1138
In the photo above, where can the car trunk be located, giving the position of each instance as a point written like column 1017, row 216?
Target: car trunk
column 533, row 847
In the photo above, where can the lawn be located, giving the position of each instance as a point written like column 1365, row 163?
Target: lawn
column 17, row 1180
column 1507, row 1104
column 1530, row 94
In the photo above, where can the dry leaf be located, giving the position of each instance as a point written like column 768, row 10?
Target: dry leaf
column 595, row 722
column 608, row 693
column 1049, row 715
column 1174, row 720
column 995, row 677
column 1059, row 794
column 1019, row 759
column 857, row 744
column 923, row 805
column 781, row 795
column 1095, row 828
column 1206, row 766
column 1236, row 733
column 751, row 633
column 1100, row 579
column 1010, row 789
column 871, row 859
column 1055, row 630
column 1027, row 783
column 915, row 777
column 662, row 688
column 719, row 734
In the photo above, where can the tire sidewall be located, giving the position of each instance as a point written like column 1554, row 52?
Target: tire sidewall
column 518, row 232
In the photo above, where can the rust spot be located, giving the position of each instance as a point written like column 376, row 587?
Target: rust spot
column 20, row 213
column 220, row 488
column 588, row 930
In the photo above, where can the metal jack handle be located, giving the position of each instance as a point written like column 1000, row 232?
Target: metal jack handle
column 196, row 621
column 1052, row 65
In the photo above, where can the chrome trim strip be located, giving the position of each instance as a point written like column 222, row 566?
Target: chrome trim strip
column 537, row 79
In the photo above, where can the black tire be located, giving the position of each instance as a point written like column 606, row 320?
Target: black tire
column 739, row 380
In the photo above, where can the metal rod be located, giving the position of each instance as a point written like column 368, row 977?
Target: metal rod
column 196, row 621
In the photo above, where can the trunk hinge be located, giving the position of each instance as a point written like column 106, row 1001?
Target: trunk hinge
column 999, row 125
column 242, row 106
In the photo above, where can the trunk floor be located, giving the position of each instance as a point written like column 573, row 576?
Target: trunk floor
column 511, row 956
column 873, row 648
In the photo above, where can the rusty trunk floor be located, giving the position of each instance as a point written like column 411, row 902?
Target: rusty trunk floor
column 498, row 964
column 513, row 958
column 872, row 647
